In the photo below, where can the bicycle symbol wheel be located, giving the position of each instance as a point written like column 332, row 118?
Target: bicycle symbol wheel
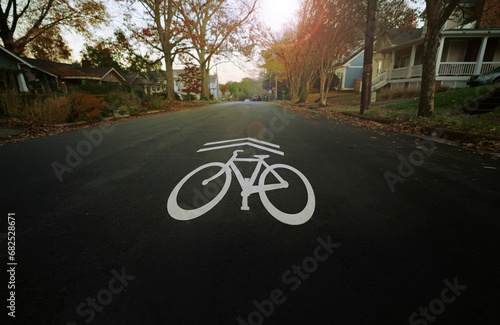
column 288, row 218
column 179, row 213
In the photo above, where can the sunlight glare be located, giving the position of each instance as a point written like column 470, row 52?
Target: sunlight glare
column 277, row 13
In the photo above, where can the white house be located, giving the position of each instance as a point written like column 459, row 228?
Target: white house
column 463, row 51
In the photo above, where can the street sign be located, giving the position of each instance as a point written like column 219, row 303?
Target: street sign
column 274, row 88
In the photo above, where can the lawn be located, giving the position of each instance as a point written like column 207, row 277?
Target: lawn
column 447, row 110
column 444, row 102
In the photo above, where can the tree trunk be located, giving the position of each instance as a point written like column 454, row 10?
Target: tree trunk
column 428, row 88
column 170, row 77
column 437, row 14
column 304, row 92
column 206, row 84
column 323, row 91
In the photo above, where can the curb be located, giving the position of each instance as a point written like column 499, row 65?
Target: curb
column 370, row 118
column 104, row 119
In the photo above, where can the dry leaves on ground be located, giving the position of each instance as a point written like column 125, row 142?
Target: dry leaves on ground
column 402, row 126
column 36, row 129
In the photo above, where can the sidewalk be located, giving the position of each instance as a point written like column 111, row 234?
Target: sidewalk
column 8, row 131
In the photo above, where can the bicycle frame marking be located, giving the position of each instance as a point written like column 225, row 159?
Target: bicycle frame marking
column 247, row 184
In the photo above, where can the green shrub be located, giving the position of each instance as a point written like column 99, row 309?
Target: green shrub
column 119, row 102
column 95, row 88
column 153, row 103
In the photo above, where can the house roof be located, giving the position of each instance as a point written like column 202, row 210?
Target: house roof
column 15, row 57
column 398, row 36
column 102, row 72
column 353, row 56
column 62, row 70
column 71, row 71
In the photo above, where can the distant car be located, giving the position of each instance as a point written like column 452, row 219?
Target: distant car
column 247, row 100
column 256, row 98
column 485, row 78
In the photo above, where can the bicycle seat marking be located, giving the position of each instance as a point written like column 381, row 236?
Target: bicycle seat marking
column 248, row 185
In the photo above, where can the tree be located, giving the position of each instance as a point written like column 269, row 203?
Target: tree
column 339, row 37
column 224, row 89
column 191, row 80
column 163, row 32
column 216, row 28
column 49, row 46
column 101, row 55
column 437, row 13
column 23, row 21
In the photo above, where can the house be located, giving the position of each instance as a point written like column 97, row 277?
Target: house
column 142, row 81
column 464, row 50
column 65, row 75
column 12, row 71
column 351, row 70
column 160, row 79
column 214, row 86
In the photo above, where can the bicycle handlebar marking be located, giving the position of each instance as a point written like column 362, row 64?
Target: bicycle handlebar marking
column 248, row 185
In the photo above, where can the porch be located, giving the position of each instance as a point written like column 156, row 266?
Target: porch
column 458, row 59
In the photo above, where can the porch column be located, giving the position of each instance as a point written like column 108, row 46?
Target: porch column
column 439, row 55
column 21, row 82
column 480, row 56
column 393, row 61
column 412, row 61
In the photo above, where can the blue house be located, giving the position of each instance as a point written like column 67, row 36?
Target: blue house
column 351, row 70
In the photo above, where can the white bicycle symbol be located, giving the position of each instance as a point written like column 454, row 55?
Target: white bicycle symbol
column 248, row 185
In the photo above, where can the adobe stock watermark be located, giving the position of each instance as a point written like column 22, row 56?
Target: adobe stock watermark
column 416, row 158
column 277, row 124
column 84, row 148
column 88, row 308
column 437, row 306
column 471, row 104
column 292, row 279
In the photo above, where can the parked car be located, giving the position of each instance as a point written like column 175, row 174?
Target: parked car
column 256, row 98
column 485, row 78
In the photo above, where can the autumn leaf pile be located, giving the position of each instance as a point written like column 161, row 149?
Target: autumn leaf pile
column 408, row 125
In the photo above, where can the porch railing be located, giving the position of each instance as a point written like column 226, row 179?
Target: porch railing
column 379, row 78
column 489, row 66
column 399, row 73
column 457, row 69
column 445, row 69
column 416, row 71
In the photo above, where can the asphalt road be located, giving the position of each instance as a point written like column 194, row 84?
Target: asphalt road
column 402, row 233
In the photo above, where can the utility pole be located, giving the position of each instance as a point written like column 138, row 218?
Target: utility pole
column 366, row 88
